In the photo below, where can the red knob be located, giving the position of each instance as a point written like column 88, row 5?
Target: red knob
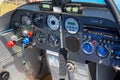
column 94, row 42
column 30, row 34
column 10, row 44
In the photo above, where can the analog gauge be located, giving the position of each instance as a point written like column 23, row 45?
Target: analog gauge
column 38, row 20
column 53, row 22
column 71, row 25
column 102, row 51
column 16, row 25
column 25, row 20
column 88, row 48
column 41, row 37
column 54, row 41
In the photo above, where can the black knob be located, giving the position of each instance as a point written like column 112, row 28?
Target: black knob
column 4, row 75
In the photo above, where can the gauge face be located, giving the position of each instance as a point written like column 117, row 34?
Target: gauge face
column 16, row 25
column 25, row 20
column 38, row 20
column 53, row 22
column 102, row 51
column 88, row 48
column 54, row 41
column 41, row 37
column 71, row 25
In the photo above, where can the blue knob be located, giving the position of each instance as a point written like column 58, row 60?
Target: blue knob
column 88, row 48
column 102, row 51
column 26, row 40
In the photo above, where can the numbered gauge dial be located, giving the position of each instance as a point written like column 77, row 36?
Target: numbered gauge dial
column 38, row 20
column 25, row 20
column 41, row 37
column 71, row 25
column 88, row 48
column 54, row 41
column 102, row 51
column 16, row 25
column 53, row 22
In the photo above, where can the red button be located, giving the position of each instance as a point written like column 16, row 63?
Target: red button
column 94, row 42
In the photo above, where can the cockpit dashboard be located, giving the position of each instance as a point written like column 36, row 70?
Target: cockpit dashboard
column 89, row 33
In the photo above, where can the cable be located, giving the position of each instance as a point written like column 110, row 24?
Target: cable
column 5, row 31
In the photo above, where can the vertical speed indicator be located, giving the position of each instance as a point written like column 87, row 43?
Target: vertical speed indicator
column 71, row 25
column 53, row 22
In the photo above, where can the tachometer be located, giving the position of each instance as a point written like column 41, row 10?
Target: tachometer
column 25, row 20
column 71, row 25
column 53, row 22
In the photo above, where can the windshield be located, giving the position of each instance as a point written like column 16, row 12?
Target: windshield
column 117, row 3
column 90, row 1
column 9, row 5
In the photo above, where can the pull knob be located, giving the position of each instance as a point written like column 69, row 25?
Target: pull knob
column 10, row 44
column 30, row 34
column 26, row 40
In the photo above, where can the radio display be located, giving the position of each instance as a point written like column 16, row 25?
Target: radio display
column 46, row 6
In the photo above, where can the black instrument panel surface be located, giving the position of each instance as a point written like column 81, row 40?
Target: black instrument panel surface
column 95, row 30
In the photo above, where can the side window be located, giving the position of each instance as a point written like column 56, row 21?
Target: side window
column 9, row 5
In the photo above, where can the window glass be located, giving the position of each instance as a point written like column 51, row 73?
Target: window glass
column 117, row 3
column 90, row 1
column 9, row 5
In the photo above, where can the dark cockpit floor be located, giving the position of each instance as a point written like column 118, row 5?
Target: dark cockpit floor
column 47, row 77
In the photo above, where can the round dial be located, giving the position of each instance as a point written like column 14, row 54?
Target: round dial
column 25, row 20
column 41, row 37
column 38, row 20
column 102, row 51
column 54, row 41
column 16, row 25
column 88, row 48
column 71, row 25
column 53, row 22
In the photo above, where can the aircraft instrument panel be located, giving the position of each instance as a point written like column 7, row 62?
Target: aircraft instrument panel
column 87, row 37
